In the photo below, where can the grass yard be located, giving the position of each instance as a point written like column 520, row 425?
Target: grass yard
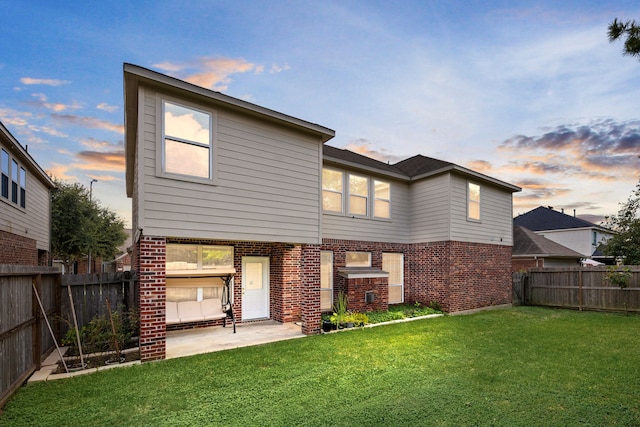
column 522, row 366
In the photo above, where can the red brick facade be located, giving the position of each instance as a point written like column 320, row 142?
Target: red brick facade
column 459, row 276
column 15, row 249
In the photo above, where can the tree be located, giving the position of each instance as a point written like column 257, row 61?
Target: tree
column 631, row 30
column 80, row 226
column 627, row 224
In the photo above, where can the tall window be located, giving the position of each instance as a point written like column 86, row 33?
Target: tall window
column 358, row 195
column 23, row 187
column 4, row 164
column 381, row 199
column 332, row 190
column 473, row 201
column 14, row 181
column 326, row 280
column 187, row 136
column 394, row 265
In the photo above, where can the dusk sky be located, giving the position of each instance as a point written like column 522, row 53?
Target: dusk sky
column 531, row 93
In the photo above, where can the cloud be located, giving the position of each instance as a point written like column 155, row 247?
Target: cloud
column 61, row 172
column 363, row 146
column 214, row 73
column 47, row 82
column 57, row 107
column 106, row 107
column 103, row 161
column 104, row 178
column 101, row 146
column 88, row 122
column 602, row 149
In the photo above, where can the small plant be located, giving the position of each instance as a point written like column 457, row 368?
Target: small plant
column 339, row 309
column 435, row 305
column 359, row 319
column 617, row 277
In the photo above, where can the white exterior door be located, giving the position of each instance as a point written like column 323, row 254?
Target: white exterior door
column 255, row 288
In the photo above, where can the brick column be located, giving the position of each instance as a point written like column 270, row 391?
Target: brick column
column 151, row 258
column 310, row 312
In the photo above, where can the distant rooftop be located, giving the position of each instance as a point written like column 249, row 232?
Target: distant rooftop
column 546, row 218
column 528, row 243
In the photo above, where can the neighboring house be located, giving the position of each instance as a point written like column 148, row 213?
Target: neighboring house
column 533, row 250
column 224, row 188
column 25, row 205
column 570, row 231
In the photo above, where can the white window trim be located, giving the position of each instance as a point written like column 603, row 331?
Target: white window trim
column 342, row 193
column 374, row 199
column 401, row 285
column 160, row 142
column 469, row 201
column 19, row 167
column 330, row 282
column 348, row 195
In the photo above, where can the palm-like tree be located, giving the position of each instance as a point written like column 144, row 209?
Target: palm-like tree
column 632, row 31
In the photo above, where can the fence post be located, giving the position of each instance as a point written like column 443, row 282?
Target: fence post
column 580, row 289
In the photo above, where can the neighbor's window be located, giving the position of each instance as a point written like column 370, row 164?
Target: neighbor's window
column 331, row 190
column 23, row 187
column 595, row 238
column 473, row 201
column 14, row 181
column 326, row 280
column 393, row 264
column 4, row 162
column 358, row 195
column 358, row 259
column 381, row 199
column 187, row 141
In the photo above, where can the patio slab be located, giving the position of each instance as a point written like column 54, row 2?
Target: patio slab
column 216, row 338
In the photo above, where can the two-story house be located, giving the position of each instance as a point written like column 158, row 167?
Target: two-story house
column 25, row 205
column 575, row 233
column 226, row 192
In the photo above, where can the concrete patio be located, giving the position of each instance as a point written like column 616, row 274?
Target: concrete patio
column 206, row 340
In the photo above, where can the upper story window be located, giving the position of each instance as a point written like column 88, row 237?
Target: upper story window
column 187, row 147
column 363, row 196
column 332, row 183
column 594, row 238
column 358, row 259
column 358, row 195
column 381, row 199
column 13, row 180
column 473, row 201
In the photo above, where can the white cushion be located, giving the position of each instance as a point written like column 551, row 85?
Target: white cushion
column 212, row 308
column 172, row 312
column 189, row 311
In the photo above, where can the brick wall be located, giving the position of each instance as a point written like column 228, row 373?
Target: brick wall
column 151, row 259
column 357, row 287
column 458, row 275
column 15, row 249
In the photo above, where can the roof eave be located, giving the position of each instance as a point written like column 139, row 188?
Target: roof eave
column 468, row 172
column 360, row 166
column 26, row 157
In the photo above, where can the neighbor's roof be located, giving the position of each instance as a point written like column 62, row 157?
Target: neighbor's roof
column 528, row 243
column 21, row 153
column 134, row 76
column 544, row 219
column 411, row 169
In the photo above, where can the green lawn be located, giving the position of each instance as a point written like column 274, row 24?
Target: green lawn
column 522, row 366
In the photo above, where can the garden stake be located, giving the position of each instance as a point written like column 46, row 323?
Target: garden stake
column 49, row 326
column 113, row 330
column 75, row 323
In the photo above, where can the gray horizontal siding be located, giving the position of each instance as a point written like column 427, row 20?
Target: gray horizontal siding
column 430, row 209
column 496, row 224
column 268, row 185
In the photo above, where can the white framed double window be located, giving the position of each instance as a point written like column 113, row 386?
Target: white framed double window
column 393, row 263
column 326, row 280
column 473, row 201
column 188, row 142
column 358, row 195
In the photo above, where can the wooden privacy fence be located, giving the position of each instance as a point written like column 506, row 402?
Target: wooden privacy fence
column 582, row 288
column 24, row 336
column 90, row 292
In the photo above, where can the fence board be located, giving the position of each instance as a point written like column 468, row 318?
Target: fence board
column 23, row 342
column 578, row 287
